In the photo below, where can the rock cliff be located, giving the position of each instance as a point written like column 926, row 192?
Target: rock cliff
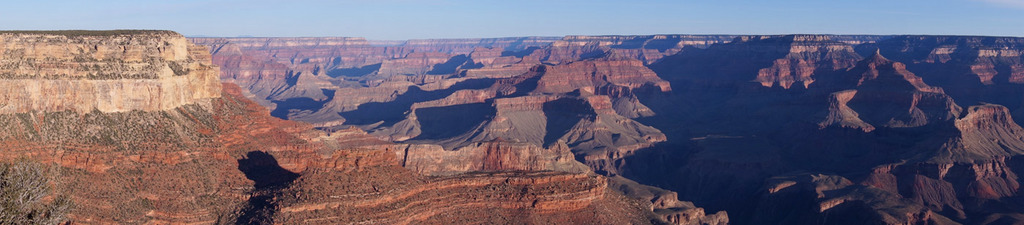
column 148, row 71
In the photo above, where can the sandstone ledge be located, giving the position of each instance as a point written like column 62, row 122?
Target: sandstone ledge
column 108, row 71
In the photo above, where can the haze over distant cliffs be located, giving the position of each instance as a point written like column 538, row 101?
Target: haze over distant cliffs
column 785, row 129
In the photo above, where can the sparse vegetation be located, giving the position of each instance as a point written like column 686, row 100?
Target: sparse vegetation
column 126, row 131
column 27, row 195
column 179, row 69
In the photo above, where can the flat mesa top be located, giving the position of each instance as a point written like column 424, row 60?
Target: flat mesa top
column 90, row 32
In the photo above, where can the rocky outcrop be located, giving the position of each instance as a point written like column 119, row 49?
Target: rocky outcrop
column 615, row 78
column 148, row 71
column 584, row 121
column 888, row 95
column 498, row 63
column 806, row 55
column 985, row 132
column 413, row 64
column 495, row 155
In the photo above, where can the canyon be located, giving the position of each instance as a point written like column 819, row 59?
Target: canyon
column 151, row 127
column 759, row 129
column 142, row 131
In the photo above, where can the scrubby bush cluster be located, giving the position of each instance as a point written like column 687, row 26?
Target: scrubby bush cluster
column 27, row 195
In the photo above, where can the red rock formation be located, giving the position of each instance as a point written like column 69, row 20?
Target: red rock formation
column 971, row 165
column 413, row 63
column 806, row 54
column 487, row 156
column 886, row 94
column 493, row 64
column 986, row 132
column 599, row 74
column 476, row 198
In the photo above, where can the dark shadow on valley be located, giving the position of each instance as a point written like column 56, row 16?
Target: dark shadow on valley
column 354, row 72
column 439, row 123
column 521, row 53
column 562, row 115
column 270, row 180
column 662, row 44
column 394, row 111
column 453, row 64
column 287, row 105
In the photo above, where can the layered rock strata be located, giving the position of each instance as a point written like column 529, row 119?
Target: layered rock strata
column 115, row 73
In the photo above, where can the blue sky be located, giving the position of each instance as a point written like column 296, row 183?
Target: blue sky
column 411, row 19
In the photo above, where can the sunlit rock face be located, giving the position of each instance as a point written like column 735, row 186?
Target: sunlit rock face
column 148, row 71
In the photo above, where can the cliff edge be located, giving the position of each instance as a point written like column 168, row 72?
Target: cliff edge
column 109, row 71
